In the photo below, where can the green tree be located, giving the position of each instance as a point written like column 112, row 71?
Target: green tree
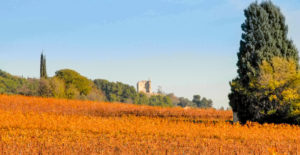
column 95, row 95
column 74, row 80
column 264, row 37
column 160, row 100
column 72, row 92
column 206, row 103
column 142, row 99
column 279, row 85
column 43, row 69
column 58, row 87
column 185, row 102
column 197, row 100
column 10, row 84
column 30, row 87
column 44, row 89
column 175, row 100
column 202, row 103
column 117, row 91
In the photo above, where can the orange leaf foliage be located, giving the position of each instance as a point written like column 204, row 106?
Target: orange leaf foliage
column 30, row 125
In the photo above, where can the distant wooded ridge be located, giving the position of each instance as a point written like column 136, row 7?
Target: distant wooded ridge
column 67, row 83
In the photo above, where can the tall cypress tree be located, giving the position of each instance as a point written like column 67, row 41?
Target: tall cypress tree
column 264, row 37
column 43, row 70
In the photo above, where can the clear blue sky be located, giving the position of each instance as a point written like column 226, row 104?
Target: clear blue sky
column 185, row 46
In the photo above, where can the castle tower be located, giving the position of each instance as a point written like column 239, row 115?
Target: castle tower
column 144, row 87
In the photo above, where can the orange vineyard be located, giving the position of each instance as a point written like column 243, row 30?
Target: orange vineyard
column 30, row 125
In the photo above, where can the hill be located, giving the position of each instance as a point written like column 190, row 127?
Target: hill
column 10, row 84
column 70, row 84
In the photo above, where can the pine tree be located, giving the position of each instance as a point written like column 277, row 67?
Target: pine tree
column 43, row 70
column 264, row 37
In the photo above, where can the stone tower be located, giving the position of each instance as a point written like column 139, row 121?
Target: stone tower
column 144, row 87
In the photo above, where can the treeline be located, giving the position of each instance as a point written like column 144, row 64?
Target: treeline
column 65, row 84
column 197, row 101
column 119, row 92
column 71, row 85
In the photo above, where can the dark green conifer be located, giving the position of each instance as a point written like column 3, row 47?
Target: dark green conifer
column 43, row 69
column 264, row 37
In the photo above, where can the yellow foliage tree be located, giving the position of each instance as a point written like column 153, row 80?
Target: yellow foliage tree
column 279, row 82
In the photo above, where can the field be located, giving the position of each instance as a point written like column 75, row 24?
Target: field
column 30, row 125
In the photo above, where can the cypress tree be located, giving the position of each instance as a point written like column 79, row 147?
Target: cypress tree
column 41, row 66
column 264, row 37
column 44, row 68
column 43, row 71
